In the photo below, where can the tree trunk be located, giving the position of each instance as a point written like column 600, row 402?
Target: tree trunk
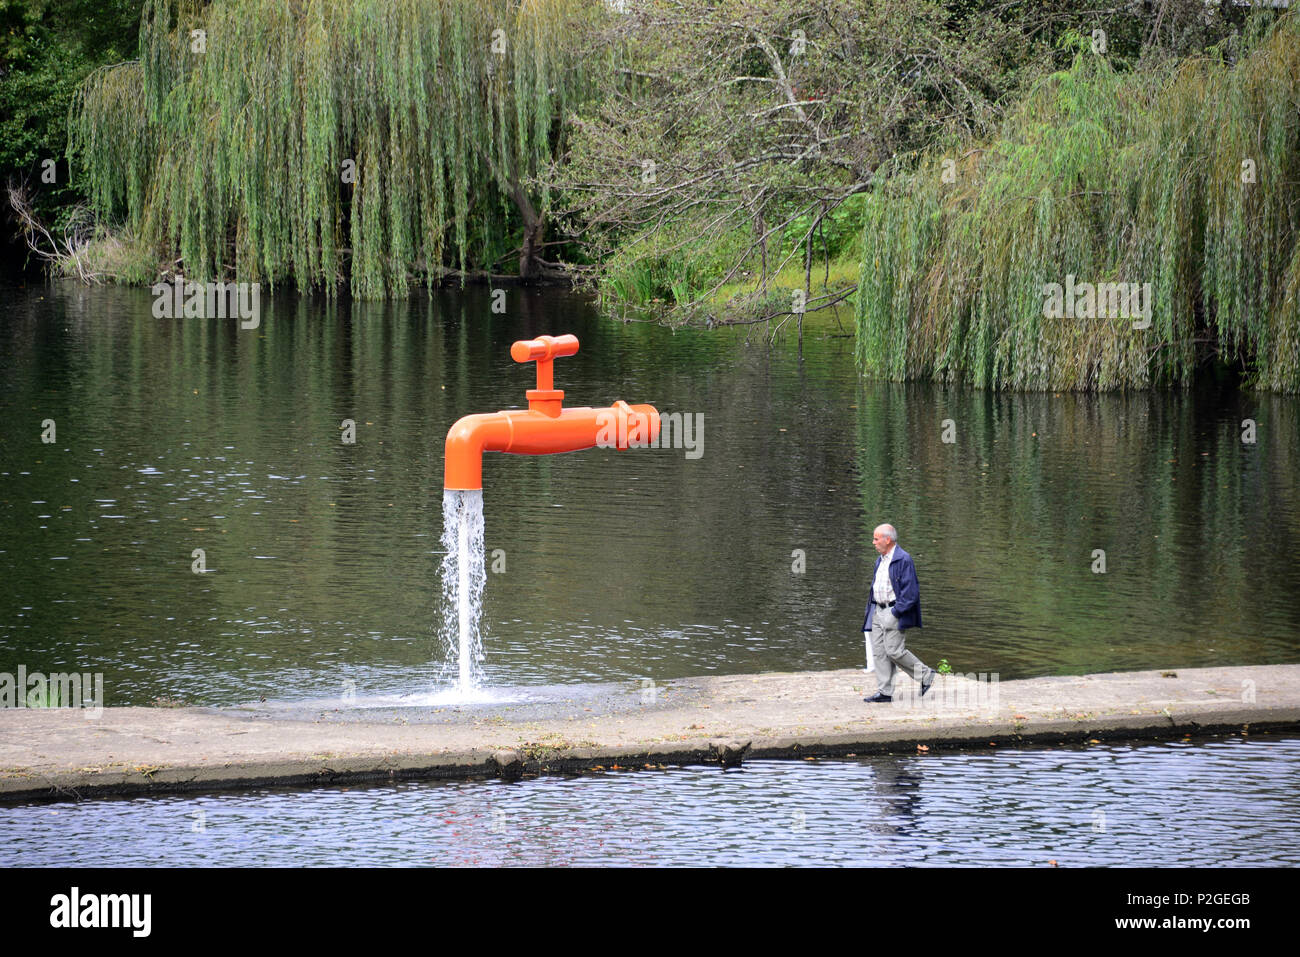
column 530, row 266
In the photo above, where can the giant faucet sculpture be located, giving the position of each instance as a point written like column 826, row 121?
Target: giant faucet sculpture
column 544, row 427
column 541, row 429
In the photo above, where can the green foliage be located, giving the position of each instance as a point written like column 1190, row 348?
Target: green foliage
column 228, row 152
column 1110, row 177
column 672, row 265
column 754, row 119
column 839, row 233
column 47, row 47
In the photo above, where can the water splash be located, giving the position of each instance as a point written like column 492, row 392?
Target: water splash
column 464, row 572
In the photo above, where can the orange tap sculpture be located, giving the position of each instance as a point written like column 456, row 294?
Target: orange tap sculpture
column 544, row 427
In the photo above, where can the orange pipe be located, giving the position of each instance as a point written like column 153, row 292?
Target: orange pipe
column 544, row 427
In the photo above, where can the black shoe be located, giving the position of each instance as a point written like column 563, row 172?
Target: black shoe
column 925, row 685
column 879, row 697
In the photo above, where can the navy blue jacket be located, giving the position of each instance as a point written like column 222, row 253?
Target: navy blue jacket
column 907, row 591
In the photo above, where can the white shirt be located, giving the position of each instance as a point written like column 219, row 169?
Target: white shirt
column 881, row 587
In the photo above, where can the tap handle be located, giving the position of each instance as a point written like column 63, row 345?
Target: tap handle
column 544, row 348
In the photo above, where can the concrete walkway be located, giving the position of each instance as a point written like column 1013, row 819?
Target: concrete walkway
column 66, row 754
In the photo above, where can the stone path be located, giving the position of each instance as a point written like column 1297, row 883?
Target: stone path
column 67, row 753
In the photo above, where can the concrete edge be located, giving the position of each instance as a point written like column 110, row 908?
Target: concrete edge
column 508, row 764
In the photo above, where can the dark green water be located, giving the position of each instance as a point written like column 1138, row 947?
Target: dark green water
column 322, row 557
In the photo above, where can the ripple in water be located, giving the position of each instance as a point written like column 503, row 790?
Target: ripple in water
column 1211, row 803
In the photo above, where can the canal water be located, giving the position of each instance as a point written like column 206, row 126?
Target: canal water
column 1220, row 802
column 197, row 528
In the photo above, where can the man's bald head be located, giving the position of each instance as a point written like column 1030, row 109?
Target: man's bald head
column 884, row 538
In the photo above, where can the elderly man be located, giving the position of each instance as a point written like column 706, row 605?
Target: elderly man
column 894, row 606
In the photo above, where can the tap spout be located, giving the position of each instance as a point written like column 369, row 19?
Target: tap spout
column 530, row 432
column 545, row 427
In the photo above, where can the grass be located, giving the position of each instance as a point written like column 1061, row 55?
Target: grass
column 843, row 273
column 108, row 257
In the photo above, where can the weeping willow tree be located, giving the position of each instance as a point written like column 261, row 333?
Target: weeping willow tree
column 1187, row 178
column 316, row 141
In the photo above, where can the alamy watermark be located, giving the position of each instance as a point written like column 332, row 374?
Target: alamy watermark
column 180, row 299
column 953, row 692
column 1104, row 300
column 624, row 428
column 77, row 909
column 37, row 690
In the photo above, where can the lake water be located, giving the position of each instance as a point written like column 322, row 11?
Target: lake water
column 1213, row 803
column 322, row 557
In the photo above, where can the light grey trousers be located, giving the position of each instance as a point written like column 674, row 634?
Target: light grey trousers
column 890, row 654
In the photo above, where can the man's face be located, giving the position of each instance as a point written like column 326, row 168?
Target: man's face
column 882, row 542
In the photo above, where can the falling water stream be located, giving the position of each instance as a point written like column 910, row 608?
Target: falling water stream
column 463, row 577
